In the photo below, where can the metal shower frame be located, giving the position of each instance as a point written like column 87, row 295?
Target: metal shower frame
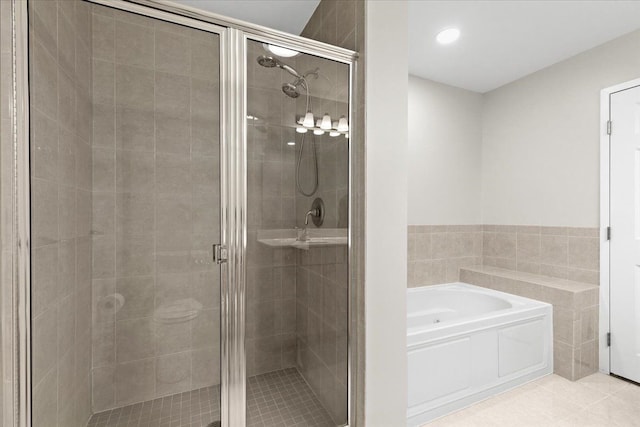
column 234, row 35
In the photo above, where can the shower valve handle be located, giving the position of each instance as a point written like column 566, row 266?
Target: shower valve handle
column 316, row 213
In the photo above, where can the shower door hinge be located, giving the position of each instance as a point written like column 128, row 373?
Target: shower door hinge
column 608, row 233
column 608, row 127
column 220, row 254
column 608, row 339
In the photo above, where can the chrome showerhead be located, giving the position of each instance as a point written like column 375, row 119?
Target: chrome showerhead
column 270, row 62
column 290, row 90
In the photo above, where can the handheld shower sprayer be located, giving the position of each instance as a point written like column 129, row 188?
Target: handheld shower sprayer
column 292, row 90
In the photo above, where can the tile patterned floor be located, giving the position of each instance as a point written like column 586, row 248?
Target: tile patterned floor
column 279, row 398
column 595, row 401
column 196, row 408
column 283, row 398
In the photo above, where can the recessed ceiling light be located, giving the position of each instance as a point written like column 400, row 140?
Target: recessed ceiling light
column 448, row 36
column 280, row 51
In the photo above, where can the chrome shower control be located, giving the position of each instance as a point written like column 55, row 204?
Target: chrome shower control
column 316, row 213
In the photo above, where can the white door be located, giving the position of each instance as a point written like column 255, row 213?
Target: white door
column 625, row 233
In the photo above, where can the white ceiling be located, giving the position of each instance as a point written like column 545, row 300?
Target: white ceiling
column 290, row 16
column 502, row 41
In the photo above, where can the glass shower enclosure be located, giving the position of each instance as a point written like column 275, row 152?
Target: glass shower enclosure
column 297, row 218
column 189, row 181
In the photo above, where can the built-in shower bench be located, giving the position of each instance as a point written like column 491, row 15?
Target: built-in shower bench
column 575, row 313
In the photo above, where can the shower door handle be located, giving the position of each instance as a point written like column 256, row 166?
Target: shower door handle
column 220, row 254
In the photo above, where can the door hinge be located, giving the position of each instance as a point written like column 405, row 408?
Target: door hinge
column 608, row 339
column 608, row 233
column 609, row 125
column 220, row 254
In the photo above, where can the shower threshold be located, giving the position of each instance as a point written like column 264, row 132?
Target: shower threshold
column 280, row 398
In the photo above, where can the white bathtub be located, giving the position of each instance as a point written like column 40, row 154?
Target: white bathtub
column 466, row 343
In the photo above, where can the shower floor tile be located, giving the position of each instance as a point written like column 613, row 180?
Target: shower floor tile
column 280, row 398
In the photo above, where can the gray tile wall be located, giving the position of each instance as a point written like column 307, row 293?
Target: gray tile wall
column 155, row 208
column 332, row 22
column 270, row 322
column 288, row 323
column 562, row 252
column 61, row 180
column 323, row 323
column 437, row 252
column 271, row 281
column 322, row 326
column 330, row 94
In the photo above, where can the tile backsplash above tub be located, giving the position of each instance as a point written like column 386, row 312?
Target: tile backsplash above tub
column 562, row 252
column 436, row 252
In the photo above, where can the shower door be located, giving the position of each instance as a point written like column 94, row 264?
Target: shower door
column 125, row 178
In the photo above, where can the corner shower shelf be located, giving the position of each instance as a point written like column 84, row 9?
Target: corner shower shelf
column 316, row 237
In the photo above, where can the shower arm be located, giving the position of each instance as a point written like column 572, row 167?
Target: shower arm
column 315, row 73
